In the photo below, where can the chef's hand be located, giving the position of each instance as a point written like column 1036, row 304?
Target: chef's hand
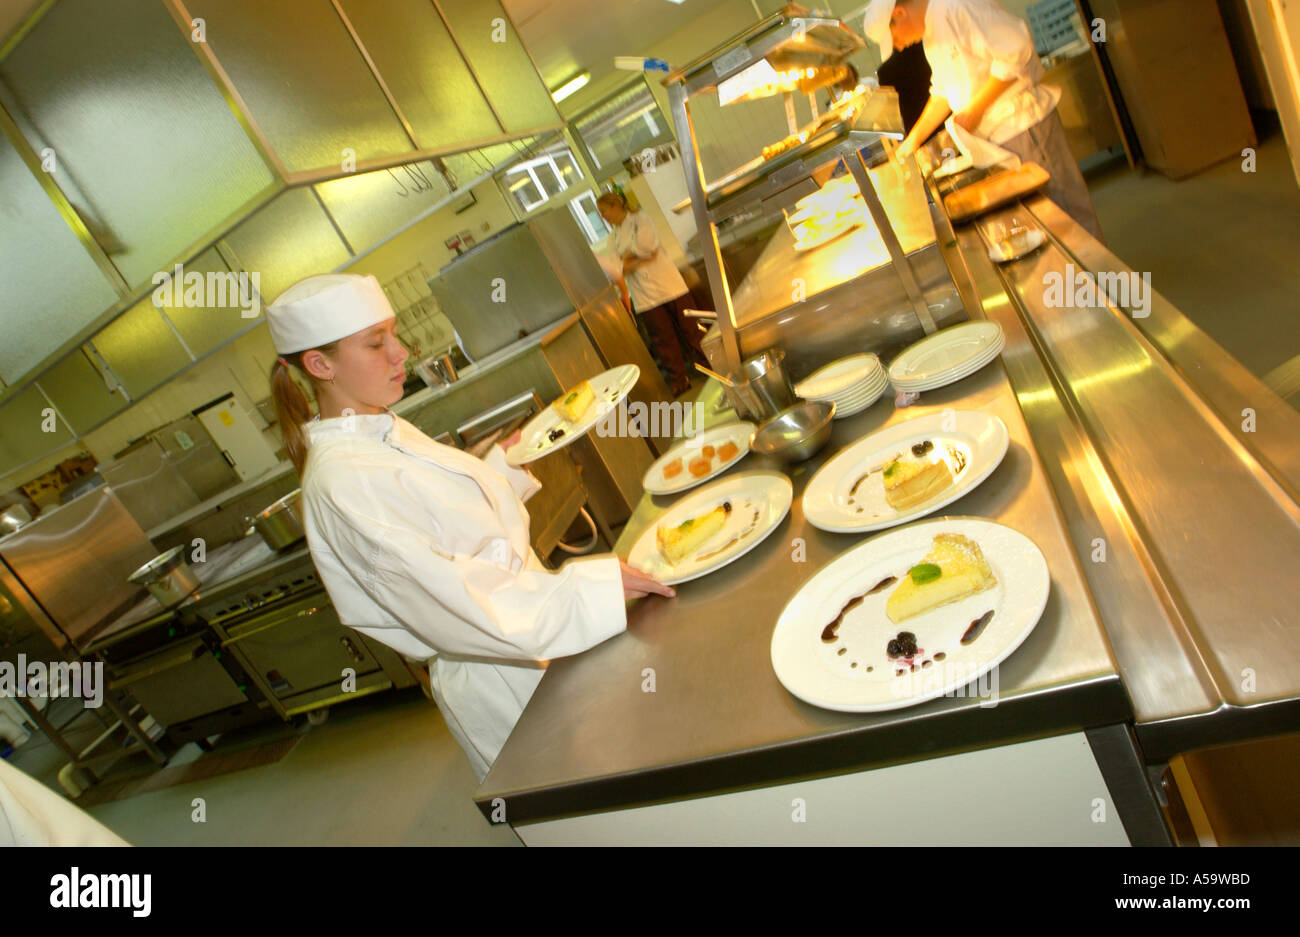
column 512, row 438
column 968, row 119
column 637, row 583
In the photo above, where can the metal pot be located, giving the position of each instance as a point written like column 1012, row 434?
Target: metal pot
column 168, row 577
column 761, row 388
column 280, row 524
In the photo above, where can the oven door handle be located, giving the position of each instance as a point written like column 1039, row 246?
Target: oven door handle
column 159, row 664
column 274, row 623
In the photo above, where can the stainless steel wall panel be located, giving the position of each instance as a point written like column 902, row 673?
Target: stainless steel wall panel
column 413, row 51
column 147, row 149
column 22, row 429
column 46, row 276
column 148, row 485
column 289, row 239
column 513, row 262
column 503, row 68
column 370, row 206
column 141, row 349
column 303, row 79
column 78, row 390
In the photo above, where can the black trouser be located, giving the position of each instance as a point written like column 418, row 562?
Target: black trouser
column 669, row 327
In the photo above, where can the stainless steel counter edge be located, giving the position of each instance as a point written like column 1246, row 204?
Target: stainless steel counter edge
column 1183, row 635
column 1087, row 704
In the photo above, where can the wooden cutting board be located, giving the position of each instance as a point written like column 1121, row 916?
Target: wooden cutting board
column 995, row 191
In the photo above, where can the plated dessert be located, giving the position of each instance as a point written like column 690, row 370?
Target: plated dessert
column 698, row 458
column 910, row 615
column 702, row 465
column 573, row 414
column 712, row 527
column 905, row 471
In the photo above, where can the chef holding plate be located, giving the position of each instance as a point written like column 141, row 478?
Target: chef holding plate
column 420, row 545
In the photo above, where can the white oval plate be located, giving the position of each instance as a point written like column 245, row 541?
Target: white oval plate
column 610, row 388
column 839, row 376
column 946, row 350
column 767, row 493
column 957, row 374
column 1001, row 252
column 738, row 432
column 831, row 504
column 858, row 394
column 855, row 408
column 815, row 671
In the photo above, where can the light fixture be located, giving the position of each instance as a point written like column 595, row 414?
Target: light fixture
column 569, row 87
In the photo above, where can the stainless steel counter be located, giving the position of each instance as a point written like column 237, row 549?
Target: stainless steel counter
column 591, row 739
column 1181, row 466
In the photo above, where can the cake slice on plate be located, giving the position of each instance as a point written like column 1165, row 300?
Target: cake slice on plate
column 909, row 482
column 678, row 542
column 953, row 569
column 575, row 403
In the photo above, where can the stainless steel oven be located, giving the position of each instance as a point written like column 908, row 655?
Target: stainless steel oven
column 179, row 682
column 302, row 653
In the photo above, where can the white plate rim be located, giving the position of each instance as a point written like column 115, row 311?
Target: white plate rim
column 834, row 567
column 937, row 339
column 734, row 425
column 517, row 454
column 872, row 370
column 972, row 481
column 779, row 481
column 953, row 377
column 956, row 374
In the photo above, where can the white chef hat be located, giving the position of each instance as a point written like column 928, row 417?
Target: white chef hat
column 325, row 308
column 875, row 26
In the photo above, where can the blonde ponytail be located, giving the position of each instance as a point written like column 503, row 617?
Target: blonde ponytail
column 292, row 408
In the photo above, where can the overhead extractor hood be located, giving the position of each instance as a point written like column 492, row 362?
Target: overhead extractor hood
column 277, row 136
column 145, row 133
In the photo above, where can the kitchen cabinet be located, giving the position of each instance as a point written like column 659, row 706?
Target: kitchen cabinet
column 1178, row 80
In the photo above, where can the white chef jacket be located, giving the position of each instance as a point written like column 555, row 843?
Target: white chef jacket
column 33, row 815
column 657, row 282
column 426, row 548
column 966, row 41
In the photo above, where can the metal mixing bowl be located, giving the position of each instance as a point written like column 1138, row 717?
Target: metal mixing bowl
column 796, row 433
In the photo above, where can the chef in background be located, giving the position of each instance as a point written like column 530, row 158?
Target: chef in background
column 658, row 290
column 985, row 73
column 614, row 273
column 905, row 70
column 420, row 545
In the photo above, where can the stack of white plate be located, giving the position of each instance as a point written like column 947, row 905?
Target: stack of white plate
column 947, row 356
column 852, row 384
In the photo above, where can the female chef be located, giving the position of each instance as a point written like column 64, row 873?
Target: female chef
column 658, row 290
column 420, row 545
column 985, row 72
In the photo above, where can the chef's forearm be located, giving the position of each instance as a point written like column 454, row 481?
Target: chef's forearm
column 932, row 117
column 989, row 92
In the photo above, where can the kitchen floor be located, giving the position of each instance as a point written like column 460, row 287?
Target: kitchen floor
column 1221, row 246
column 384, row 770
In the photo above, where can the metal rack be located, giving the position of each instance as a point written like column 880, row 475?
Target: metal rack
column 856, row 134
